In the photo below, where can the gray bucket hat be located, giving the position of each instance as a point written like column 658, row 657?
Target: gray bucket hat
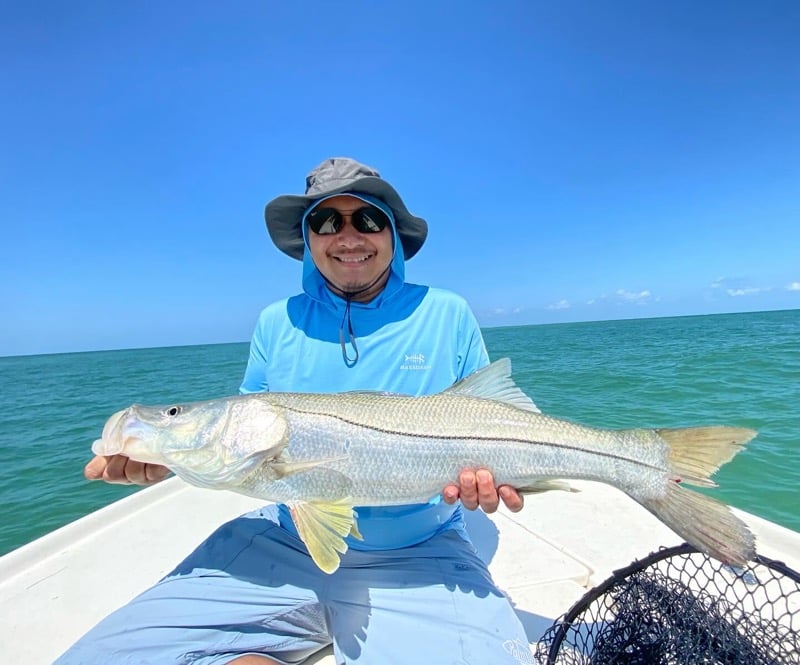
column 339, row 175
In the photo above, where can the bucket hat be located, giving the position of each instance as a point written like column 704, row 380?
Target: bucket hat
column 339, row 175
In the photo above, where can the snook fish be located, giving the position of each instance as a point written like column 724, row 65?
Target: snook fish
column 322, row 454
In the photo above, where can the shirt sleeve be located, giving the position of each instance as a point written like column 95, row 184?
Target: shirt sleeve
column 473, row 355
column 255, row 374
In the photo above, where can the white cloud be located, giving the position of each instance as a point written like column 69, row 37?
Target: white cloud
column 748, row 291
column 794, row 286
column 629, row 296
column 736, row 287
column 501, row 312
column 730, row 283
column 561, row 304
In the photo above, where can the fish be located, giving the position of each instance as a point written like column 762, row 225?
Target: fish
column 324, row 454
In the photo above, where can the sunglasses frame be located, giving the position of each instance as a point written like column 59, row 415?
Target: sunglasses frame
column 368, row 219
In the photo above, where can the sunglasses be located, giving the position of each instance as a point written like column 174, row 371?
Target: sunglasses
column 329, row 221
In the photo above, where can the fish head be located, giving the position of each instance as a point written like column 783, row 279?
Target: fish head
column 212, row 443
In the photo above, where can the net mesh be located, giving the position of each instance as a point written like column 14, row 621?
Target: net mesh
column 681, row 606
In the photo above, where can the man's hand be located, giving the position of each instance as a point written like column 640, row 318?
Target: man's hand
column 122, row 470
column 477, row 488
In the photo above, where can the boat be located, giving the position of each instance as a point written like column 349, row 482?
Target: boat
column 544, row 557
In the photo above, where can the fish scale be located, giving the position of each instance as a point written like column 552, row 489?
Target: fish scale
column 515, row 443
column 323, row 454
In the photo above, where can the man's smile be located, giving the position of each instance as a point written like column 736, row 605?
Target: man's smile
column 353, row 259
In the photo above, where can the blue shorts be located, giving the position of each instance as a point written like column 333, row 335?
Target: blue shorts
column 251, row 588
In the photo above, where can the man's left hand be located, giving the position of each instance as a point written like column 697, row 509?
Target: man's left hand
column 476, row 488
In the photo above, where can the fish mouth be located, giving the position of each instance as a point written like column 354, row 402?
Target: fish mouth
column 119, row 433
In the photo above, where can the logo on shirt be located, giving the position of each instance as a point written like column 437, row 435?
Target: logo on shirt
column 519, row 651
column 414, row 361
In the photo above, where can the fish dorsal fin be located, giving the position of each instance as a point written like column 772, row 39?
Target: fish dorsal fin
column 494, row 382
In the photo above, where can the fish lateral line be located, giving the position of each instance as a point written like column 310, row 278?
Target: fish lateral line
column 482, row 438
column 321, row 499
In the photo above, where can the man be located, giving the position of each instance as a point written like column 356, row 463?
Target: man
column 413, row 590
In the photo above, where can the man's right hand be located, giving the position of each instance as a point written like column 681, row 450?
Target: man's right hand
column 122, row 470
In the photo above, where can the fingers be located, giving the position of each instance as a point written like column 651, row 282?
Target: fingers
column 116, row 471
column 95, row 468
column 155, row 473
column 486, row 491
column 450, row 494
column 121, row 470
column 514, row 500
column 477, row 488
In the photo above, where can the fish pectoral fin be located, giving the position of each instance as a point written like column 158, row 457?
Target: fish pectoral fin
column 323, row 526
column 285, row 468
column 540, row 486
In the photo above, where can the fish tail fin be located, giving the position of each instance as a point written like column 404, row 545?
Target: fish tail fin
column 706, row 523
column 695, row 454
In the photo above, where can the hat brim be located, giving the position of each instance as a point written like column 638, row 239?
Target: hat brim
column 284, row 216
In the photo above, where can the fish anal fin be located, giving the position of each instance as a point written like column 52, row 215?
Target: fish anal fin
column 323, row 526
column 546, row 485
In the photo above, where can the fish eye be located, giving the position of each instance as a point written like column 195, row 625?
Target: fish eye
column 173, row 410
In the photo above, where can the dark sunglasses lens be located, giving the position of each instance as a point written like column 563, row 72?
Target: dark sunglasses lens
column 325, row 221
column 370, row 220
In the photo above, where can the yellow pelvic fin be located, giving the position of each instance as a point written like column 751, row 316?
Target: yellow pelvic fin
column 323, row 526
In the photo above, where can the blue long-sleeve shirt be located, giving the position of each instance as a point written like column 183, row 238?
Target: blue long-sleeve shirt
column 411, row 339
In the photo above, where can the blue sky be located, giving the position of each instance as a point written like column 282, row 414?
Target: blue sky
column 575, row 160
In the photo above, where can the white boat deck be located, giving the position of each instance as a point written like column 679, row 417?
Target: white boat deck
column 545, row 557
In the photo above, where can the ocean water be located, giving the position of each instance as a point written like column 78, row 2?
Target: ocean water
column 735, row 369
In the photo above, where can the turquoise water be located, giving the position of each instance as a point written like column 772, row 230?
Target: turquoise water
column 736, row 369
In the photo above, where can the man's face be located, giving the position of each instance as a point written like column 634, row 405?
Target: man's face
column 350, row 260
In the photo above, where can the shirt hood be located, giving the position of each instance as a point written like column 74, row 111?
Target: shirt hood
column 314, row 284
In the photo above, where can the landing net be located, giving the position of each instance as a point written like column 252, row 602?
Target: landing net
column 680, row 606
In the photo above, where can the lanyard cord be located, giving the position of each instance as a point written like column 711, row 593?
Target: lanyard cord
column 350, row 362
column 348, row 296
